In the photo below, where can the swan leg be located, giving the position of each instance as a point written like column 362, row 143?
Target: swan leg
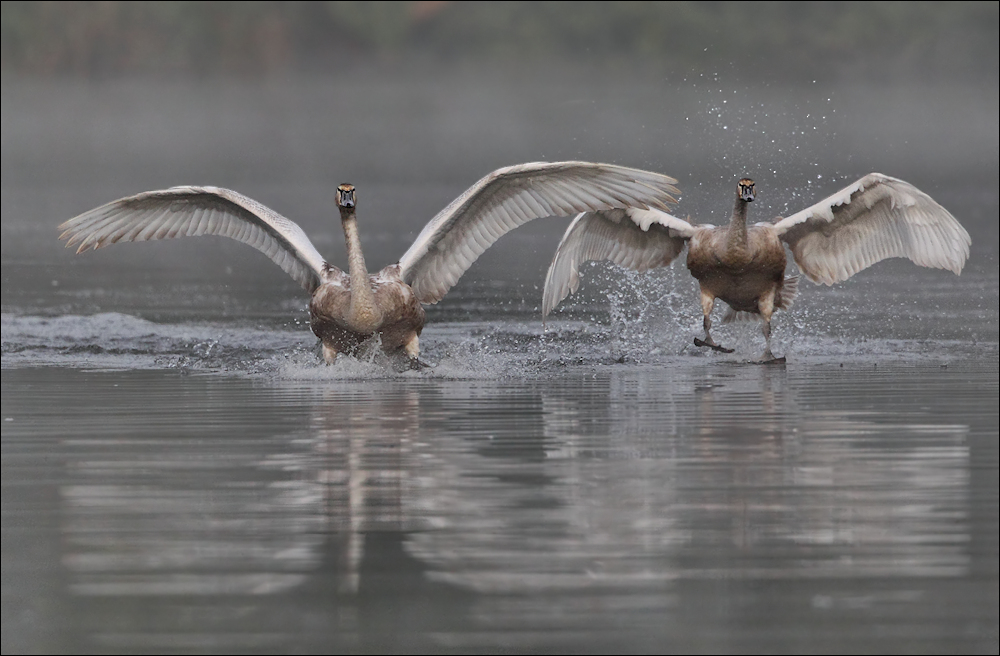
column 765, row 304
column 329, row 353
column 412, row 347
column 412, row 350
column 707, row 303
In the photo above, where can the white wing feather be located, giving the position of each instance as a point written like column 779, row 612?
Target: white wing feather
column 634, row 238
column 875, row 218
column 189, row 211
column 512, row 196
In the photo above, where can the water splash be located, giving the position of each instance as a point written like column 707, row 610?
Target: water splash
column 643, row 319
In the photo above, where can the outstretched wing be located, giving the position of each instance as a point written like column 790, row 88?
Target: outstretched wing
column 512, row 196
column 875, row 218
column 634, row 238
column 189, row 211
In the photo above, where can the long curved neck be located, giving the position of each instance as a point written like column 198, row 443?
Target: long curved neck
column 736, row 237
column 363, row 308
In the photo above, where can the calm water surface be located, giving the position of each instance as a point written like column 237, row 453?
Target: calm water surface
column 709, row 506
column 181, row 473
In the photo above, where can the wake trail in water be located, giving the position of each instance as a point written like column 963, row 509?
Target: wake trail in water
column 634, row 337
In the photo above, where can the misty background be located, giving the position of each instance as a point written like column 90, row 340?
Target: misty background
column 824, row 41
column 413, row 102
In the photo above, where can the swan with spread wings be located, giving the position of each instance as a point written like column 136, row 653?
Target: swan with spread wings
column 347, row 309
column 875, row 218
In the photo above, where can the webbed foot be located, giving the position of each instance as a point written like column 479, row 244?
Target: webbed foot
column 406, row 363
column 768, row 358
column 712, row 345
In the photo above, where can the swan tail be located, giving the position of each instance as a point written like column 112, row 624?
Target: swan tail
column 787, row 293
column 738, row 316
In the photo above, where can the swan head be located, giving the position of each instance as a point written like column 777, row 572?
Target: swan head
column 745, row 190
column 345, row 198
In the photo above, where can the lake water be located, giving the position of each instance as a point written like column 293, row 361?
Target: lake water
column 182, row 473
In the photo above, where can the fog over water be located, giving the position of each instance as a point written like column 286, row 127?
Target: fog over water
column 181, row 471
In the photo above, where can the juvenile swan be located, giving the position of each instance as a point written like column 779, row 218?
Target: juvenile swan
column 347, row 309
column 875, row 218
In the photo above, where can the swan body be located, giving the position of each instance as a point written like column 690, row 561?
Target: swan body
column 875, row 218
column 347, row 309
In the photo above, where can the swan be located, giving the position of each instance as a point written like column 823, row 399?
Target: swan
column 347, row 309
column 874, row 218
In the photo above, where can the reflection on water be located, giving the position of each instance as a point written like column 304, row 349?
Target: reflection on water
column 180, row 473
column 690, row 477
column 577, row 511
column 361, row 456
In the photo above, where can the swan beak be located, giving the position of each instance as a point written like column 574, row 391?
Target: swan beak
column 345, row 196
column 747, row 193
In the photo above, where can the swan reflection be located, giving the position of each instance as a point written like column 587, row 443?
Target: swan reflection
column 713, row 474
column 633, row 479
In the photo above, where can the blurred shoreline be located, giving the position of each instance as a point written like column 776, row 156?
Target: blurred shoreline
column 844, row 42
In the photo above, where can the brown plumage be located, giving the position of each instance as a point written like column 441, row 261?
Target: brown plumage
column 874, row 218
column 743, row 267
column 349, row 308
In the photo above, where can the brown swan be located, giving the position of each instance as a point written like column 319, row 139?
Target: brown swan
column 875, row 218
column 347, row 309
